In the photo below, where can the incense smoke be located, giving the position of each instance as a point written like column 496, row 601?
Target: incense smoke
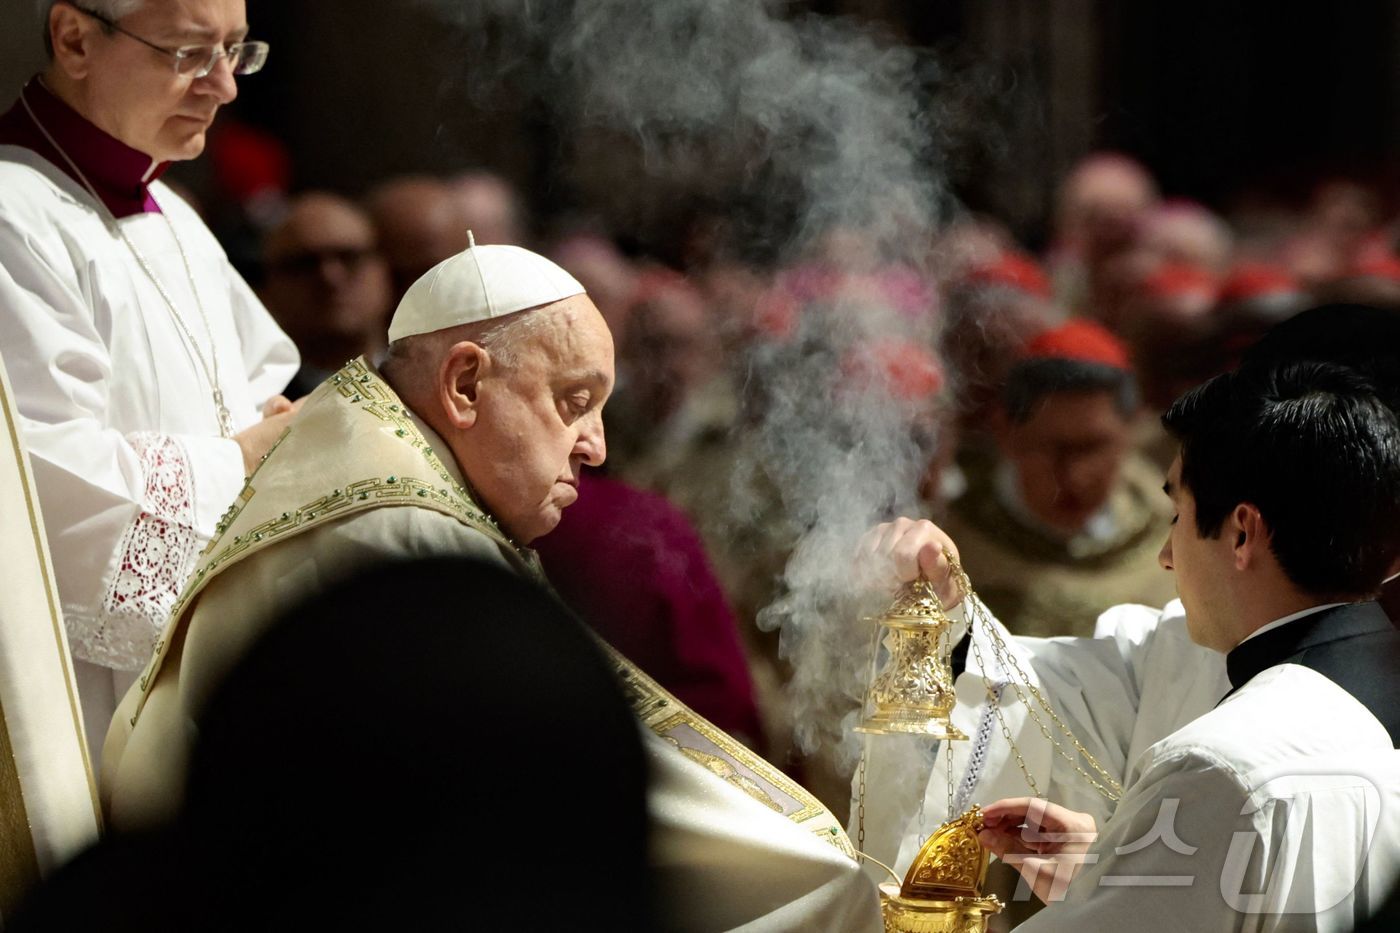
column 828, row 131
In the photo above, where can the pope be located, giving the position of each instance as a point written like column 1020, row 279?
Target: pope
column 470, row 442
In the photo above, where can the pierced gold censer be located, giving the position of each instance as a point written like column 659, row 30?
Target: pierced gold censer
column 942, row 893
column 914, row 693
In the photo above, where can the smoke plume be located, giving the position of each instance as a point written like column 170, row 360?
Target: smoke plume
column 828, row 131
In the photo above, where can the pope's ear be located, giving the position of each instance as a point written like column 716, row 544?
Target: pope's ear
column 459, row 383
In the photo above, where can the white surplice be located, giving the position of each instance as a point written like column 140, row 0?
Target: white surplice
column 116, row 412
column 1278, row 810
column 1140, row 680
column 1141, row 697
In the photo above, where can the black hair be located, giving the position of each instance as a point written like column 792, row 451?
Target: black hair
column 1363, row 338
column 1030, row 381
column 1313, row 447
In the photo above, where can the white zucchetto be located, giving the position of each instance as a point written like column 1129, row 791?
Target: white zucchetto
column 477, row 284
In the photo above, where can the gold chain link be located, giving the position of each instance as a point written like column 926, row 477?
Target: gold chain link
column 1020, row 683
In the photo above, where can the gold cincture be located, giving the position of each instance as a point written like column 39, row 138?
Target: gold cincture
column 914, row 693
column 942, row 893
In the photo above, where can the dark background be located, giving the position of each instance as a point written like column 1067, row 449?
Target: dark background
column 1224, row 101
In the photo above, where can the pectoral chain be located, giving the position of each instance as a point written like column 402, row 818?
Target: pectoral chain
column 209, row 367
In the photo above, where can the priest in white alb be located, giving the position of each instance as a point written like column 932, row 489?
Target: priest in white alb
column 470, row 442
column 143, row 365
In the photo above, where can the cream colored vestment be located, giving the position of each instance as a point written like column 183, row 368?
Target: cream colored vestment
column 357, row 479
column 48, row 800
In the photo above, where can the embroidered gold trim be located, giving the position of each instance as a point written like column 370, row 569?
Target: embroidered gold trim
column 358, row 385
column 669, row 718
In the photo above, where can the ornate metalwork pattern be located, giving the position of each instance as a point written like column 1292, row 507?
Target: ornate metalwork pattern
column 914, row 693
column 952, row 862
column 914, row 676
column 942, row 893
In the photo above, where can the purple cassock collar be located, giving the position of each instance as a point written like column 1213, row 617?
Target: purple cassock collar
column 121, row 174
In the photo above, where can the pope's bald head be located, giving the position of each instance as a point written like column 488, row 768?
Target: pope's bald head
column 420, row 223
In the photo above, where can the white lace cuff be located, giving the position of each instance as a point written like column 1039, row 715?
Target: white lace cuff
column 156, row 555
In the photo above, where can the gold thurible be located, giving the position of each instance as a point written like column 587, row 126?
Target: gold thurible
column 914, row 693
column 942, row 893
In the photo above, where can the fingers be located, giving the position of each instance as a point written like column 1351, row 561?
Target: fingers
column 277, row 405
column 1005, row 843
column 1011, row 809
column 905, row 549
column 1041, row 825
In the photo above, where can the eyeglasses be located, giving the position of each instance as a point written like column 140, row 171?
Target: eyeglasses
column 351, row 258
column 196, row 61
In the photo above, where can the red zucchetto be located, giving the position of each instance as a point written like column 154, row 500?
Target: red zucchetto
column 1011, row 270
column 1080, row 341
column 1249, row 281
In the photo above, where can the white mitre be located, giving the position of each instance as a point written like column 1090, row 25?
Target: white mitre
column 481, row 283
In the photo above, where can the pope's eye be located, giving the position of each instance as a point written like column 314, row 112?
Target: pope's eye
column 1174, row 518
column 577, row 404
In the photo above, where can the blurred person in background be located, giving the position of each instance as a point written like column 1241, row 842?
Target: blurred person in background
column 419, row 222
column 491, row 208
column 327, row 286
column 1184, row 325
column 673, row 391
column 147, row 374
column 1167, row 323
column 1341, row 228
column 246, row 193
column 998, row 303
column 610, row 277
column 1372, row 280
column 1100, row 211
column 1180, row 231
column 1069, row 521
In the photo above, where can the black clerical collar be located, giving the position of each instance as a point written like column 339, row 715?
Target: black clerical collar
column 1285, row 643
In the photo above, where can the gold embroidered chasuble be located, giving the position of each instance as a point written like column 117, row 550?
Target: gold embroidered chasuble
column 356, row 452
